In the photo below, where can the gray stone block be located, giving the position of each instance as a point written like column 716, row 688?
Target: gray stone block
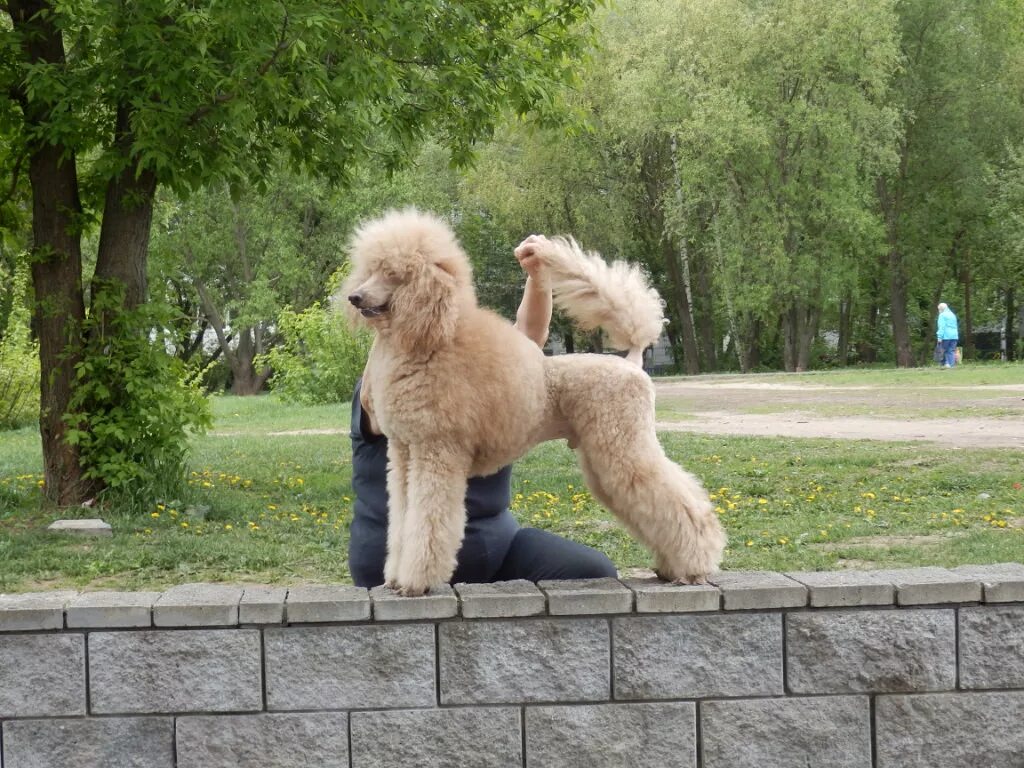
column 992, row 647
column 445, row 738
column 662, row 735
column 576, row 597
column 690, row 657
column 107, row 742
column 500, row 662
column 961, row 730
column 835, row 589
column 871, row 651
column 42, row 675
column 321, row 603
column 930, row 586
column 88, row 527
column 656, row 596
column 350, row 667
column 261, row 604
column 1002, row 582
column 308, row 740
column 198, row 605
column 175, row 671
column 832, row 731
column 501, row 599
column 107, row 610
column 33, row 610
column 439, row 603
column 746, row 590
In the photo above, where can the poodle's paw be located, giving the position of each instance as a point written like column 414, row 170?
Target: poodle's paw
column 684, row 580
column 412, row 590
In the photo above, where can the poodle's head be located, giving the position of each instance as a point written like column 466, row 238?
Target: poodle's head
column 409, row 279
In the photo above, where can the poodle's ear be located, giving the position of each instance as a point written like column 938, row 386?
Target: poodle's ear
column 425, row 309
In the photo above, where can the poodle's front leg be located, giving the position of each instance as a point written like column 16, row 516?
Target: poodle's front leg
column 398, row 493
column 435, row 519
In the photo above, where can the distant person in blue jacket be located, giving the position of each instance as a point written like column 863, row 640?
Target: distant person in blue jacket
column 947, row 335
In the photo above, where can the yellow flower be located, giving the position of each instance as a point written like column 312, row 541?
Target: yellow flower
column 750, row 543
column 762, row 501
column 184, row 524
column 783, row 540
column 154, row 515
column 229, row 527
column 868, row 495
column 271, row 507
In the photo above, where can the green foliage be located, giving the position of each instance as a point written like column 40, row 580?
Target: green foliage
column 320, row 357
column 19, row 357
column 134, row 405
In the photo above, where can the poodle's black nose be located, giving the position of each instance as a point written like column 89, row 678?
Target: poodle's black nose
column 356, row 299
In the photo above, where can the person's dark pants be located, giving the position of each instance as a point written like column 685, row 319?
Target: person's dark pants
column 533, row 554
column 949, row 352
column 537, row 554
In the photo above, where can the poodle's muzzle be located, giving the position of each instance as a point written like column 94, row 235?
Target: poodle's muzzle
column 358, row 301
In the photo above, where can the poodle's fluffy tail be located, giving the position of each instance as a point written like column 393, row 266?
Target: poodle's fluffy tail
column 616, row 297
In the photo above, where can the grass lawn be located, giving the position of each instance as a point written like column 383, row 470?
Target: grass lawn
column 266, row 503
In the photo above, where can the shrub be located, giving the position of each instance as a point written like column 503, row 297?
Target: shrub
column 134, row 404
column 19, row 360
column 319, row 359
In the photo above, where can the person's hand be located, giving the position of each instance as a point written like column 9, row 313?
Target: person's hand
column 527, row 254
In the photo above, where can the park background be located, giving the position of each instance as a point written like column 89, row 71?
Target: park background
column 804, row 181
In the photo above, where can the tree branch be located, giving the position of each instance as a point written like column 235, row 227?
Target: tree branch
column 223, row 98
column 15, row 174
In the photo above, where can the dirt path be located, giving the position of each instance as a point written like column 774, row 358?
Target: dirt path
column 722, row 408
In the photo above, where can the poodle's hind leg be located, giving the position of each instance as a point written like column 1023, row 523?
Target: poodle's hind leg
column 661, row 504
column 435, row 519
column 398, row 492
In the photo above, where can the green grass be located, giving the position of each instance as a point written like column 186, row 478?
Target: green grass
column 275, row 509
column 967, row 374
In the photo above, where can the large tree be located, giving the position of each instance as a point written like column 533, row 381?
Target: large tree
column 104, row 102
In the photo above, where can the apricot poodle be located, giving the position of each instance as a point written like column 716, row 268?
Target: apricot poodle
column 459, row 392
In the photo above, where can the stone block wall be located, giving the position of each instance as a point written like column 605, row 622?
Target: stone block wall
column 921, row 668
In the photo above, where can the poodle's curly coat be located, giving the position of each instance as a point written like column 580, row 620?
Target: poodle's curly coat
column 459, row 392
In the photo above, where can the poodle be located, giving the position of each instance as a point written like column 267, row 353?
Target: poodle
column 459, row 392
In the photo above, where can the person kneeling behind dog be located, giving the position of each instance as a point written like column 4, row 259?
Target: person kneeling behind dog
column 495, row 547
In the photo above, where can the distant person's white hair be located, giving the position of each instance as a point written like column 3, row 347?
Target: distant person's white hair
column 943, row 306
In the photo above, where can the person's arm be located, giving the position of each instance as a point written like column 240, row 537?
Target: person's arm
column 533, row 318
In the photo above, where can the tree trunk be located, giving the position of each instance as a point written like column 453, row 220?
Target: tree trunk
column 705, row 318
column 56, row 265
column 245, row 380
column 127, row 216
column 898, row 302
column 845, row 315
column 967, row 334
column 1011, row 325
column 691, row 359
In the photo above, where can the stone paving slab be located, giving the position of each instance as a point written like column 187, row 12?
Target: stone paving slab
column 1001, row 582
column 317, row 603
column 747, row 590
column 346, row 667
column 33, row 610
column 871, row 651
column 182, row 671
column 439, row 603
column 832, row 731
column 992, row 646
column 834, row 589
column 579, row 597
column 262, row 604
column 931, row 585
column 198, row 605
column 108, row 742
column 691, row 657
column 513, row 662
column 648, row 735
column 110, row 610
column 307, row 740
column 652, row 595
column 87, row 527
column 438, row 738
column 501, row 599
column 42, row 675
column 950, row 730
